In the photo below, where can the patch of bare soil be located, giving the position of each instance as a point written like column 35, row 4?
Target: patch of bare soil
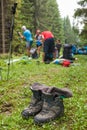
column 6, row 108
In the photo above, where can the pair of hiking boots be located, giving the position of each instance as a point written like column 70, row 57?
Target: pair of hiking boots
column 46, row 103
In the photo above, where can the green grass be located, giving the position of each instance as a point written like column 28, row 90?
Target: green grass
column 15, row 94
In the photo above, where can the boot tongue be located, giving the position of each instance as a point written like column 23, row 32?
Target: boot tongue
column 63, row 93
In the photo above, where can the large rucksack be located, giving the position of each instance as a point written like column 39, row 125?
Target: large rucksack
column 67, row 52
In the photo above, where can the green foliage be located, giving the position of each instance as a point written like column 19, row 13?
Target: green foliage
column 47, row 17
column 82, row 14
column 83, row 34
column 15, row 94
column 70, row 33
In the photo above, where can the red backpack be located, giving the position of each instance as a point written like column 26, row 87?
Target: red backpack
column 66, row 63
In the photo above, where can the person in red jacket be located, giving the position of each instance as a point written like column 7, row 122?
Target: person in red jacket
column 48, row 46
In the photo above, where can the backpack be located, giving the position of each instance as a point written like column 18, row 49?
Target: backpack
column 66, row 63
column 34, row 54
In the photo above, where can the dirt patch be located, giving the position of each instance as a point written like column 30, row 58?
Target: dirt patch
column 6, row 108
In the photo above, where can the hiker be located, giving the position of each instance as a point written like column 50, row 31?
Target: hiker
column 28, row 37
column 38, row 38
column 48, row 46
column 58, row 48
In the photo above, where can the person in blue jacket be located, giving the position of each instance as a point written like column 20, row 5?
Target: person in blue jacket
column 28, row 37
column 38, row 39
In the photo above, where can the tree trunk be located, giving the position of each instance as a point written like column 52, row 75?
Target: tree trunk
column 3, row 28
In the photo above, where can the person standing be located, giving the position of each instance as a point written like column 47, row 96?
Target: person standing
column 38, row 38
column 28, row 37
column 48, row 46
column 58, row 48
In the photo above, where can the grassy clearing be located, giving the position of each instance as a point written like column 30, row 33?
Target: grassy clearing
column 15, row 94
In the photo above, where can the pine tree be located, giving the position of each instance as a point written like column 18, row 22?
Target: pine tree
column 47, row 17
column 70, row 32
column 82, row 14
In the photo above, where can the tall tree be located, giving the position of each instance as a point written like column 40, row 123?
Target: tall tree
column 82, row 14
column 27, row 11
column 69, row 31
column 47, row 17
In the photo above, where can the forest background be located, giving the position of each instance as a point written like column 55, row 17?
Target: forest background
column 45, row 15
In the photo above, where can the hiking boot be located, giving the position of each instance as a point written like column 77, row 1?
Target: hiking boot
column 36, row 101
column 52, row 104
column 52, row 107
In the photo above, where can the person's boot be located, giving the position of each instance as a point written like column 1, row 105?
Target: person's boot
column 52, row 107
column 35, row 105
column 52, row 104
